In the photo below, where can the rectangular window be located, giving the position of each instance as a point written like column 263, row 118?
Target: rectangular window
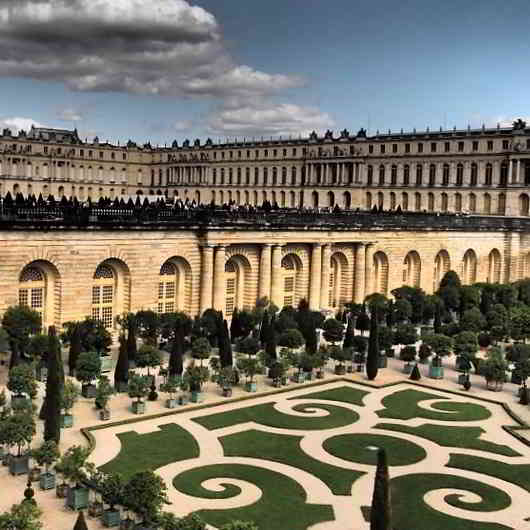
column 106, row 316
column 36, row 298
column 420, row 148
column 447, row 147
column 294, row 151
column 288, row 301
column 289, row 285
column 170, row 289
column 505, row 144
column 107, row 294
column 407, row 148
column 460, row 147
column 370, row 149
column 160, row 308
column 475, row 145
column 23, row 297
column 490, row 145
column 394, row 148
column 382, row 149
column 95, row 313
column 161, row 290
column 95, row 295
column 433, row 147
column 231, row 286
column 170, row 307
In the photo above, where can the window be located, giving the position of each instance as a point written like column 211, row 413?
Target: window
column 407, row 148
column 381, row 175
column 460, row 147
column 239, row 154
column 419, row 175
column 447, row 147
column 505, row 144
column 394, row 148
column 433, row 147
column 113, row 156
column 274, row 153
column 490, row 145
column 393, row 175
column 489, row 175
column 445, row 175
column 382, row 149
column 124, row 156
column 474, row 174
column 231, row 154
column 167, row 288
column 294, row 151
column 475, row 145
column 432, row 175
column 420, row 148
column 285, row 152
column 370, row 149
column 459, row 174
column 370, row 175
column 101, row 154
column 406, row 175
column 31, row 291
column 266, row 153
column 103, row 295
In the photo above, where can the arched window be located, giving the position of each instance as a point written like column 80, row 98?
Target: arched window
column 459, row 174
column 265, row 176
column 274, row 176
column 504, row 174
column 393, row 175
column 103, row 291
column 489, row 175
column 469, row 267
column 494, row 266
column 247, row 176
column 412, row 269
column 32, row 290
column 523, row 204
column 381, row 175
column 417, row 201
column 419, row 175
column 290, row 269
column 380, row 199
column 338, row 280
column 458, row 202
column 487, row 203
column 315, row 199
column 331, row 199
column 406, row 175
column 380, row 273
column 404, row 201
column 474, row 174
column 445, row 202
column 432, row 175
column 284, row 176
column 346, row 200
column 368, row 200
column 167, row 288
column 392, row 200
column 430, row 202
column 256, row 176
column 370, row 175
column 293, row 176
column 472, row 203
column 231, row 287
column 292, row 200
column 445, row 175
column 442, row 264
column 501, row 207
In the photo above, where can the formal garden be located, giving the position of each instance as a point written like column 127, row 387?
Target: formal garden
column 275, row 418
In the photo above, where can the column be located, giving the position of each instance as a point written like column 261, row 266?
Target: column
column 206, row 277
column 510, row 171
column 264, row 287
column 369, row 270
column 326, row 261
column 360, row 266
column 518, row 172
column 324, row 174
column 315, row 277
column 219, row 286
column 276, row 282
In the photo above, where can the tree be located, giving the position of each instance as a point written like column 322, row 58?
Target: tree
column 148, row 325
column 236, row 330
column 349, row 335
column 104, row 391
column 75, row 348
column 225, row 346
column 130, row 322
column 46, row 454
column 465, row 344
column 145, row 494
column 20, row 429
column 519, row 322
column 20, row 322
column 381, row 510
column 363, row 321
column 94, row 336
column 372, row 362
column 88, row 367
column 493, row 368
column 121, row 372
column 69, row 395
column 38, row 347
column 201, row 349
column 51, row 407
column 23, row 516
column 449, row 291
column 441, row 345
column 80, row 523
column 250, row 346
column 22, row 381
column 175, row 327
column 417, row 299
column 377, row 303
column 415, row 375
column 112, row 487
column 291, row 338
column 148, row 356
column 472, row 320
column 402, row 311
column 138, row 387
column 405, row 334
column 74, row 465
column 333, row 330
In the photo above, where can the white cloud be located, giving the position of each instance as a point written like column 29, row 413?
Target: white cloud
column 18, row 123
column 69, row 114
column 267, row 118
column 157, row 47
column 182, row 125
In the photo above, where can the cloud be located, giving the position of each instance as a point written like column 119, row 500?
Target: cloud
column 182, row 125
column 17, row 123
column 166, row 47
column 267, row 118
column 69, row 114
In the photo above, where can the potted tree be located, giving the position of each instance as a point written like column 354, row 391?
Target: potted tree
column 104, row 392
column 184, row 386
column 171, row 387
column 76, row 469
column 20, row 429
column 195, row 376
column 69, row 396
column 424, row 352
column 22, row 381
column 408, row 354
column 494, row 368
column 145, row 494
column 215, row 366
column 441, row 345
column 38, row 349
column 46, row 455
column 339, row 356
column 319, row 363
column 112, row 490
column 465, row 346
column 148, row 357
column 61, row 489
column 201, row 349
column 88, row 368
column 226, row 380
column 276, row 372
column 359, row 345
column 138, row 388
column 250, row 367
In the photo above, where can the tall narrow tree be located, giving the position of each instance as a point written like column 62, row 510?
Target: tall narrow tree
column 372, row 361
column 121, row 373
column 381, row 511
column 80, row 523
column 225, row 346
column 131, row 337
column 348, row 336
column 54, row 390
column 75, row 348
column 176, row 356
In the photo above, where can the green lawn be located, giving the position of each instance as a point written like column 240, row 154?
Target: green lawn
column 266, row 414
column 344, row 394
column 142, row 452
column 283, row 504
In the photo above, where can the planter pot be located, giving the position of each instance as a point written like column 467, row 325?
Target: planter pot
column 61, row 490
column 383, row 361
column 42, row 373
column 127, row 524
column 107, row 364
column 360, row 367
column 104, row 414
column 121, row 386
column 67, row 420
column 349, row 369
column 171, row 403
column 47, row 481
column 34, row 474
column 77, row 498
column 436, row 372
column 309, row 376
column 284, row 380
column 277, row 383
column 407, row 368
column 138, row 407
column 88, row 391
column 320, row 374
column 495, row 386
column 340, row 369
column 227, row 392
column 19, row 401
column 462, row 378
column 251, row 387
column 19, row 465
column 95, row 509
column 196, row 397
column 183, row 400
column 111, row 518
column 298, row 377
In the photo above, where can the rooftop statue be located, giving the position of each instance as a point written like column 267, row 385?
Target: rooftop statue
column 519, row 125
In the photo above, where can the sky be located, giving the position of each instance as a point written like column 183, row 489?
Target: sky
column 161, row 70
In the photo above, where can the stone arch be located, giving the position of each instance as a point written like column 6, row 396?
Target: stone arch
column 444, row 202
column 338, row 280
column 175, row 286
column 39, row 287
column 412, row 269
column 442, row 264
column 331, row 199
column 494, row 266
column 469, row 267
column 292, row 267
column 380, row 267
column 111, row 291
column 380, row 199
column 282, row 199
column 392, row 199
column 524, row 203
column 237, row 275
column 292, row 199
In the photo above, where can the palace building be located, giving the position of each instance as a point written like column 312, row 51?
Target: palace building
column 67, row 271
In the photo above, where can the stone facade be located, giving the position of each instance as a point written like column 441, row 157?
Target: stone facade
column 69, row 274
column 485, row 171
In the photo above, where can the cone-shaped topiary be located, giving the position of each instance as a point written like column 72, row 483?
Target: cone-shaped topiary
column 80, row 524
column 54, row 389
column 381, row 511
column 121, row 373
column 75, row 348
column 415, row 375
column 372, row 361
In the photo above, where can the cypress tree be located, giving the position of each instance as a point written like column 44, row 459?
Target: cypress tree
column 80, row 523
column 75, row 348
column 227, row 346
column 54, row 390
column 415, row 375
column 348, row 336
column 438, row 318
column 264, row 330
column 381, row 511
column 235, row 326
column 131, row 337
column 176, row 366
column 14, row 360
column 311, row 342
column 372, row 361
column 121, row 373
column 271, row 344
